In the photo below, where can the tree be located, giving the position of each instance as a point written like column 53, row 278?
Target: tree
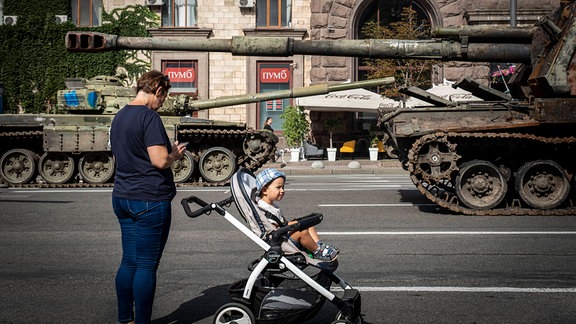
column 35, row 62
column 407, row 72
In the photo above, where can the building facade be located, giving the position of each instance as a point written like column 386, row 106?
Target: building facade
column 214, row 74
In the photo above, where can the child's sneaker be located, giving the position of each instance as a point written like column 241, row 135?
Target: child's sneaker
column 325, row 252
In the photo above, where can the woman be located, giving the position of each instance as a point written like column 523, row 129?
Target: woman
column 143, row 190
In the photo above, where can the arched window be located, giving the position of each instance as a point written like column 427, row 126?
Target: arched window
column 385, row 12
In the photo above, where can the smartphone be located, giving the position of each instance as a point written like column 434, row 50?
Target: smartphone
column 184, row 144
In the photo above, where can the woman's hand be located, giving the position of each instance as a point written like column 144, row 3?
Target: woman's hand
column 160, row 157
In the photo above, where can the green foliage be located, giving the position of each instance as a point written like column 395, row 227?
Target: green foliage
column 406, row 72
column 295, row 125
column 35, row 62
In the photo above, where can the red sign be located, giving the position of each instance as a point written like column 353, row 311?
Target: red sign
column 274, row 75
column 180, row 74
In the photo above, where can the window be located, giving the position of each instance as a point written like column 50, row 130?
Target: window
column 273, row 13
column 274, row 77
column 86, row 12
column 183, row 76
column 179, row 13
column 384, row 12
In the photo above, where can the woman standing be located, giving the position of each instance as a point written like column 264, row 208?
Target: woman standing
column 143, row 190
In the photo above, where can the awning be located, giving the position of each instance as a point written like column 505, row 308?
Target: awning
column 445, row 91
column 367, row 101
column 360, row 100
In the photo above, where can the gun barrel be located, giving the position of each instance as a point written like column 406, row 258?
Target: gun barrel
column 496, row 34
column 290, row 93
column 284, row 46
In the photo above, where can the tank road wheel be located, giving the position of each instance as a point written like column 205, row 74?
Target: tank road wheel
column 18, row 166
column 183, row 168
column 56, row 167
column 96, row 167
column 434, row 158
column 234, row 313
column 217, row 164
column 480, row 185
column 542, row 184
column 256, row 149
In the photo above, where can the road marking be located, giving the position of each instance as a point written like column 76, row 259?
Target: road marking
column 454, row 233
column 375, row 205
column 464, row 289
column 361, row 188
column 103, row 190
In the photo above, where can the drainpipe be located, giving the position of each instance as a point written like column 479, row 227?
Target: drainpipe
column 513, row 13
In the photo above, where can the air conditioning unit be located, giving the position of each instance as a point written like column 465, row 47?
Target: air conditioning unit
column 10, row 20
column 246, row 3
column 60, row 19
column 154, row 3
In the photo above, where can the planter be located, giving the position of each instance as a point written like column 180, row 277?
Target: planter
column 331, row 153
column 373, row 153
column 294, row 155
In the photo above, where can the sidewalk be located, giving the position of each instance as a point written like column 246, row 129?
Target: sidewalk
column 344, row 166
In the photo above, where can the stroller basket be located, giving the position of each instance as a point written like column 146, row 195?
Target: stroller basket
column 291, row 301
column 285, row 284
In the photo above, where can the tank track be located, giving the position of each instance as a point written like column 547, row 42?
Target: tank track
column 438, row 186
column 250, row 160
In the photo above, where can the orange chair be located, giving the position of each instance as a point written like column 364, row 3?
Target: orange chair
column 381, row 147
column 348, row 147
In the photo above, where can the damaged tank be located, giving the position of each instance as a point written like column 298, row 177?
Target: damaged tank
column 509, row 154
column 71, row 147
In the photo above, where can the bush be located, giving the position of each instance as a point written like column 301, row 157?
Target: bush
column 295, row 125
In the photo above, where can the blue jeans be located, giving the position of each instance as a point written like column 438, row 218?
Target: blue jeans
column 145, row 226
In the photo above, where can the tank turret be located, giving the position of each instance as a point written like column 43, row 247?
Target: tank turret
column 510, row 153
column 70, row 148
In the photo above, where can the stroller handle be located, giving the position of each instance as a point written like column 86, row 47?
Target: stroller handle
column 205, row 208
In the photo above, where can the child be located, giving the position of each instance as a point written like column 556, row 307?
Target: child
column 270, row 189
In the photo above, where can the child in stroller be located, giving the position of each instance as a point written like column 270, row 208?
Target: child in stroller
column 270, row 189
column 286, row 285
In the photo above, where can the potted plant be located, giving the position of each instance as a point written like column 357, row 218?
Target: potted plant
column 374, row 143
column 332, row 125
column 295, row 127
column 373, row 149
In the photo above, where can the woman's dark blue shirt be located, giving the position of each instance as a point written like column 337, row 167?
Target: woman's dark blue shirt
column 133, row 130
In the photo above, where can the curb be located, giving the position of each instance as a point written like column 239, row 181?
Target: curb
column 337, row 167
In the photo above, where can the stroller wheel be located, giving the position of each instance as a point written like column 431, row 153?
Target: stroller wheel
column 234, row 313
column 341, row 319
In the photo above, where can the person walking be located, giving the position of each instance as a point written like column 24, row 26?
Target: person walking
column 268, row 124
column 142, row 194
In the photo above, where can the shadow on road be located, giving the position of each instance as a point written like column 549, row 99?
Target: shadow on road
column 198, row 308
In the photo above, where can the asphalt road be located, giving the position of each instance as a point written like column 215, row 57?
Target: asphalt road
column 412, row 262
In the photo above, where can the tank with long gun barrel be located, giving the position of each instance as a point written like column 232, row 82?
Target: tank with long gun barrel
column 70, row 148
column 508, row 154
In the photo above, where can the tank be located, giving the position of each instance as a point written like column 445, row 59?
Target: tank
column 508, row 154
column 71, row 147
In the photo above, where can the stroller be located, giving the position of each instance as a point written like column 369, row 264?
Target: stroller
column 286, row 285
